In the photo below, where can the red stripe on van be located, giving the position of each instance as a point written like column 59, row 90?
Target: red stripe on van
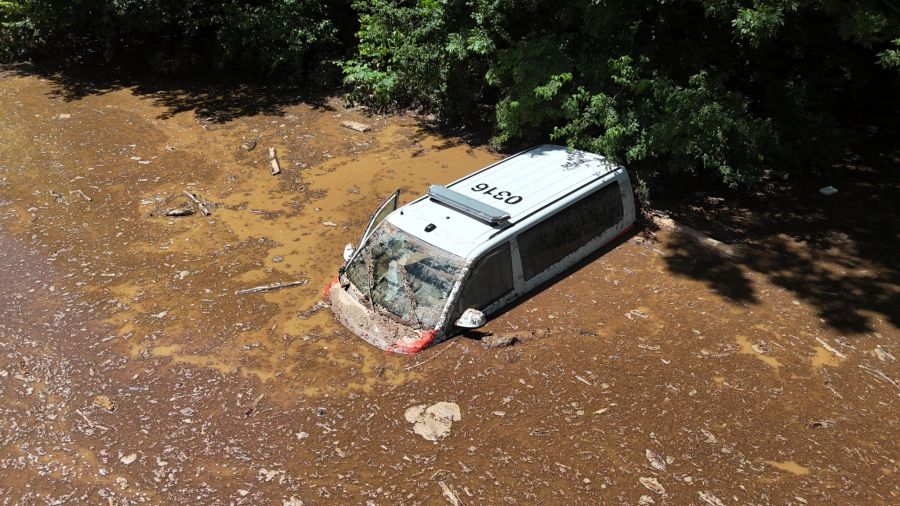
column 410, row 347
column 327, row 288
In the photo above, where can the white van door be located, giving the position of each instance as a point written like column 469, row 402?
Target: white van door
column 386, row 208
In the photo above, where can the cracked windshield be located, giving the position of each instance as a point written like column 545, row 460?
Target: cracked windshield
column 408, row 277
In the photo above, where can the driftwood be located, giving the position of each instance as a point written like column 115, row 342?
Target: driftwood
column 666, row 223
column 179, row 211
column 355, row 125
column 273, row 286
column 203, row 209
column 875, row 373
column 83, row 195
column 449, row 494
column 91, row 423
column 59, row 197
column 273, row 162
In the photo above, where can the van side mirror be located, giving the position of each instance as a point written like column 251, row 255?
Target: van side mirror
column 471, row 319
column 349, row 250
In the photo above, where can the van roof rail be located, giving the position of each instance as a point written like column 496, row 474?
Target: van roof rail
column 467, row 205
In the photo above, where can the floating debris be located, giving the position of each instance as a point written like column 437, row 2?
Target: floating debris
column 495, row 341
column 433, row 422
column 828, row 190
column 710, row 499
column 652, row 485
column 355, row 125
column 273, row 162
column 273, row 286
column 179, row 211
column 104, row 402
column 656, row 462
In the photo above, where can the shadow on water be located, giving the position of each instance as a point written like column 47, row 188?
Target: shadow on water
column 689, row 258
column 836, row 253
column 217, row 99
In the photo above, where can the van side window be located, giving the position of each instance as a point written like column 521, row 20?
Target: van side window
column 563, row 233
column 491, row 279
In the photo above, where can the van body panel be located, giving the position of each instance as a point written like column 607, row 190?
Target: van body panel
column 525, row 185
column 544, row 186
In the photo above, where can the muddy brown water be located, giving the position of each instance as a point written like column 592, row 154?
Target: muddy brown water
column 132, row 373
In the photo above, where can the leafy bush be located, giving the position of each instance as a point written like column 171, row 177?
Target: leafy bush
column 285, row 37
column 717, row 88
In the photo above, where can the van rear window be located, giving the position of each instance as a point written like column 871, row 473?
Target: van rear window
column 562, row 234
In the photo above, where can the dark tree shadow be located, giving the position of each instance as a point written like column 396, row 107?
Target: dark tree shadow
column 216, row 99
column 836, row 253
column 694, row 260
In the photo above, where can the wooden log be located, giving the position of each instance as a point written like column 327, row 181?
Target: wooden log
column 203, row 209
column 273, row 162
column 273, row 286
column 179, row 211
column 666, row 223
column 83, row 195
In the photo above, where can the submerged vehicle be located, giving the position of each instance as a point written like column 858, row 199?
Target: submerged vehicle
column 450, row 259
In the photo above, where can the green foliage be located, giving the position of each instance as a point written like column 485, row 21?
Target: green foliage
column 14, row 24
column 432, row 54
column 890, row 58
column 288, row 37
column 758, row 23
column 715, row 88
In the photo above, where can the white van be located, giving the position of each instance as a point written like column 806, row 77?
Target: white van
column 448, row 260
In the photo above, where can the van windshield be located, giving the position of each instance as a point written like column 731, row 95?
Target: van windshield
column 405, row 276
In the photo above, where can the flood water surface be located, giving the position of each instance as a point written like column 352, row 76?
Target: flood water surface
column 134, row 369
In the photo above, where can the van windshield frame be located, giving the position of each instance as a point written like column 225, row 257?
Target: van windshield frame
column 409, row 278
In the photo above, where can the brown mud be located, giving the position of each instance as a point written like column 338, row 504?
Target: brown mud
column 131, row 372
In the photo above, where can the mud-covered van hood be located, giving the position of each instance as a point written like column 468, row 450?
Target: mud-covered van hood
column 376, row 329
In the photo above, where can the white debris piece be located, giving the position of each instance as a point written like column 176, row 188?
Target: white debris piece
column 710, row 499
column 652, row 485
column 656, row 462
column 433, row 422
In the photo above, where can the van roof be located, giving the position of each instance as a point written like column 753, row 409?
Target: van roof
column 540, row 177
